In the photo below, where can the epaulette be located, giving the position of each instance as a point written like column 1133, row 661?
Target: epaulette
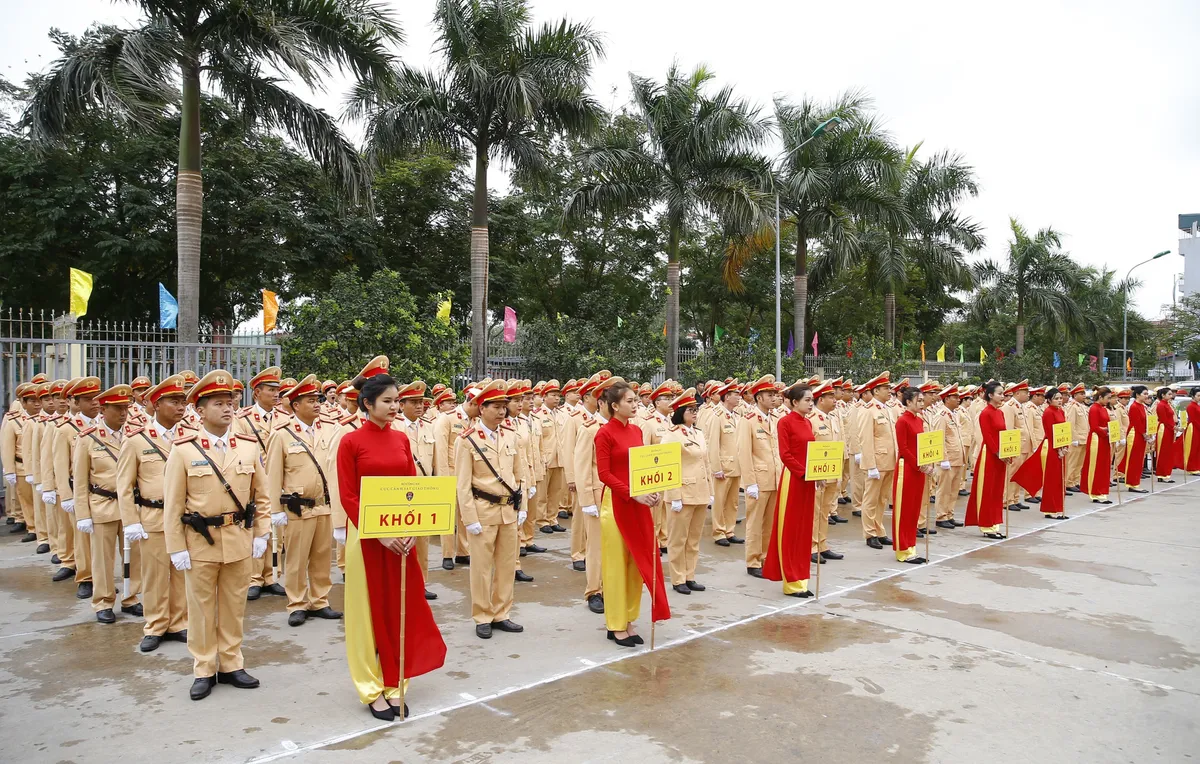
column 186, row 438
column 185, row 423
column 466, row 433
column 675, row 427
column 347, row 419
column 282, row 425
column 245, row 437
column 133, row 430
column 575, row 412
column 62, row 421
column 87, row 430
column 507, row 427
column 749, row 415
column 428, row 418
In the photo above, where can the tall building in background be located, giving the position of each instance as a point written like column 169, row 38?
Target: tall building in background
column 1189, row 247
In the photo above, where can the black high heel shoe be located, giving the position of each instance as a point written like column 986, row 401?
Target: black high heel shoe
column 388, row 715
column 632, row 640
column 397, row 708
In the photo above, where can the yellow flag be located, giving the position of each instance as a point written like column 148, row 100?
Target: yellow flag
column 982, row 354
column 443, row 312
column 922, row 351
column 81, row 290
column 270, row 310
column 942, row 353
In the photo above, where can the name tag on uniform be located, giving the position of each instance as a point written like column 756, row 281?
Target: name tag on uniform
column 199, row 462
column 146, row 451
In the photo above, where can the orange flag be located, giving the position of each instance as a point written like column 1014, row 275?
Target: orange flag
column 270, row 310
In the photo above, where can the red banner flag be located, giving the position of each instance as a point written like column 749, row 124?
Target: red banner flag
column 510, row 324
column 849, row 345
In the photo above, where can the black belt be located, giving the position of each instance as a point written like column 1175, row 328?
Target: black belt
column 200, row 524
column 93, row 488
column 295, row 503
column 142, row 502
column 493, row 498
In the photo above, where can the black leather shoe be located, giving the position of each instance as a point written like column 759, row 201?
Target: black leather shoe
column 448, row 562
column 239, row 679
column 993, row 536
column 843, row 500
column 916, row 561
column 462, row 559
column 150, row 643
column 276, row 589
column 430, row 595
column 9, row 521
column 176, row 636
column 28, row 537
column 964, row 492
column 326, row 612
column 818, row 559
column 43, row 549
column 930, row 531
column 885, row 541
column 522, row 576
column 957, row 524
column 397, row 710
column 722, row 542
column 1102, row 501
column 662, row 550
column 1022, row 506
column 829, row 554
column 874, row 543
column 133, row 610
column 509, row 626
column 564, row 514
column 932, row 499
column 736, row 540
column 253, row 593
column 1013, row 508
column 840, row 519
column 580, row 565
column 535, row 549
column 857, row 513
column 920, row 533
column 20, row 527
column 54, row 560
column 1138, row 490
column 756, row 572
column 682, row 588
column 945, row 524
column 202, row 687
column 84, row 592
column 626, row 642
column 801, row 595
column 830, row 520
column 1034, row 500
column 63, row 574
column 547, row 529
column 558, row 528
column 297, row 618
column 106, row 616
column 523, row 551
column 386, row 715
column 695, row 586
column 596, row 604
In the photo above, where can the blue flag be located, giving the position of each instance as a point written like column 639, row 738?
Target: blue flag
column 168, row 308
column 1104, row 364
column 791, row 344
column 1056, row 359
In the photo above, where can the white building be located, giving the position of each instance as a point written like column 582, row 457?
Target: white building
column 1189, row 247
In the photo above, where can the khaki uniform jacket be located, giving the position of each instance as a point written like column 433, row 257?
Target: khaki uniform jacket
column 697, row 478
column 348, row 423
column 1078, row 417
column 191, row 485
column 524, row 444
column 65, row 437
column 877, row 438
column 422, row 442
column 654, row 428
column 45, row 443
column 140, row 464
column 250, row 422
column 758, row 451
column 1014, row 419
column 96, row 456
column 32, row 425
column 587, row 475
column 551, row 423
column 503, row 454
column 290, row 468
column 447, row 429
column 570, row 431
column 10, row 443
column 721, row 437
column 823, row 425
column 954, row 447
column 853, row 414
column 1033, row 422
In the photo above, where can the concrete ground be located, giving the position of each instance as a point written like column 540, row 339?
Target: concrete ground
column 1075, row 641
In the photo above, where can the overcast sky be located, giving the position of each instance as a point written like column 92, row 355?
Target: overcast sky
column 1081, row 116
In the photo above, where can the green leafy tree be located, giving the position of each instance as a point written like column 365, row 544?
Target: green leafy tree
column 502, row 85
column 1180, row 333
column 236, row 48
column 334, row 334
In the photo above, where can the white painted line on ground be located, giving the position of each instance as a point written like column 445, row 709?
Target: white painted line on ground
column 466, row 696
column 681, row 640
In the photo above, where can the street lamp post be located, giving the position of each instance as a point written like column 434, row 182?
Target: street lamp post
column 821, row 128
column 1125, row 330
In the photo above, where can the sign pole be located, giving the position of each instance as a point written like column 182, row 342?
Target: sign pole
column 655, row 561
column 817, row 590
column 125, row 584
column 925, row 509
column 403, row 617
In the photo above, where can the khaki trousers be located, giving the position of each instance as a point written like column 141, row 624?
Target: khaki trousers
column 683, row 541
column 164, row 599
column 824, row 505
column 760, row 516
column 659, row 513
column 947, row 492
column 725, row 508
column 25, row 497
column 1074, row 465
column 216, row 599
column 341, row 557
column 593, row 550
column 82, row 544
column 54, row 530
column 1014, row 493
column 262, row 571
column 875, row 497
column 554, row 487
column 108, row 543
column 306, row 566
column 858, row 480
column 578, row 530
column 493, row 566
column 39, row 515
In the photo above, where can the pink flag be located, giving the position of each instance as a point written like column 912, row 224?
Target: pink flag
column 510, row 324
column 1092, row 362
column 815, row 335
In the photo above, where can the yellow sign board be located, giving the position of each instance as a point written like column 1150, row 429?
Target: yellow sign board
column 655, row 468
column 1010, row 443
column 399, row 507
column 825, row 459
column 1114, row 432
column 1152, row 424
column 1183, row 420
column 1062, row 434
column 931, row 447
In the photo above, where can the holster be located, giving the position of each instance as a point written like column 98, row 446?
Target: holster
column 295, row 503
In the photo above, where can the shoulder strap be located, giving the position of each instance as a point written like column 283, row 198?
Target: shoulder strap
column 483, row 456
column 321, row 472
column 221, row 477
column 258, row 437
column 153, row 445
column 102, row 445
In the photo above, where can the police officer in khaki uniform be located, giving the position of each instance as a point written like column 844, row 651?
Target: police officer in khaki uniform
column 688, row 503
column 721, row 437
column 217, row 516
column 490, row 478
column 296, row 457
column 257, row 421
column 526, row 454
column 589, row 486
column 876, row 441
column 16, row 466
column 550, row 417
column 826, row 427
column 81, row 398
column 97, row 511
column 655, row 424
column 140, row 468
column 62, row 531
column 759, row 467
column 1015, row 413
column 46, row 414
column 419, row 429
column 951, row 420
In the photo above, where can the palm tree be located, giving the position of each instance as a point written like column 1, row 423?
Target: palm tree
column 934, row 237
column 1101, row 300
column 242, row 49
column 693, row 155
column 503, row 86
column 1036, row 281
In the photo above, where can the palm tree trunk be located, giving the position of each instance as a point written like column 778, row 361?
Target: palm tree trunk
column 189, row 206
column 673, row 303
column 1020, row 339
column 889, row 318
column 800, row 287
column 479, row 264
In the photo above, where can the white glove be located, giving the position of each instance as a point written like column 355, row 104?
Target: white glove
column 873, row 473
column 29, row 479
column 676, row 506
column 10, row 478
column 945, row 465
column 37, row 487
column 521, row 517
column 1121, row 442
column 532, row 491
column 339, row 535
column 720, row 475
column 84, row 526
column 858, row 460
column 49, row 497
column 181, row 560
column 1074, row 443
column 752, row 491
column 279, row 518
column 135, row 532
column 474, row 529
column 259, row 548
column 68, row 505
column 591, row 510
column 711, row 500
